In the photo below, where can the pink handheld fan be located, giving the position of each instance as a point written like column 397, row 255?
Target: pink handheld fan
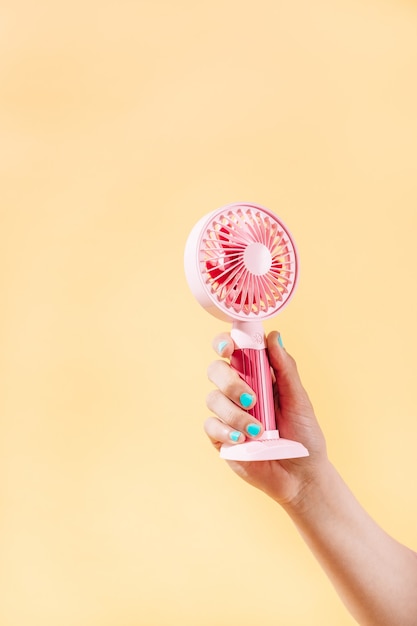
column 241, row 265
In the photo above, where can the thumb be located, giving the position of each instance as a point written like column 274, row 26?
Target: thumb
column 297, row 418
column 290, row 388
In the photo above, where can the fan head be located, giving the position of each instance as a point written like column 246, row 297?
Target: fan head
column 241, row 263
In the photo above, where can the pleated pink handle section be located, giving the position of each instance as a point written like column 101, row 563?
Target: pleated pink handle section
column 253, row 366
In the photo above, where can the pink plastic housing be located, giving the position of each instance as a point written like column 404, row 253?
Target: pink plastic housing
column 262, row 249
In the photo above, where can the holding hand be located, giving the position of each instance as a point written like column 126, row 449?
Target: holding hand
column 283, row 480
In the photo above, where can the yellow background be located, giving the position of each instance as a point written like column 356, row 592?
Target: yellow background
column 121, row 124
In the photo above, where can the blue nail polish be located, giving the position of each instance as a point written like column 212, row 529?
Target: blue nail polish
column 253, row 429
column 234, row 435
column 281, row 343
column 221, row 346
column 246, row 400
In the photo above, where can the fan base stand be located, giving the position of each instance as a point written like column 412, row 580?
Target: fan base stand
column 270, row 447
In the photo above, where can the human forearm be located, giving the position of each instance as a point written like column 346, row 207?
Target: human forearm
column 375, row 576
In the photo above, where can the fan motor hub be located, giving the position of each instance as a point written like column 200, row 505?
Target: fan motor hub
column 257, row 258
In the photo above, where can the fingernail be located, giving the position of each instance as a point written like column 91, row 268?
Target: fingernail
column 246, row 400
column 281, row 343
column 221, row 346
column 235, row 435
column 253, row 429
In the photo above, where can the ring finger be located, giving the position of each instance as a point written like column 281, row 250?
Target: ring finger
column 233, row 416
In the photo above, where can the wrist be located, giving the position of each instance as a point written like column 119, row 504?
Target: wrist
column 313, row 492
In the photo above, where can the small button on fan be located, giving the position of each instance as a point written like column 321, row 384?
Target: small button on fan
column 241, row 265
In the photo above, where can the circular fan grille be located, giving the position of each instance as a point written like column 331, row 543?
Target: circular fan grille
column 248, row 261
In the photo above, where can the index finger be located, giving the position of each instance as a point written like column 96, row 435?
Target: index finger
column 223, row 345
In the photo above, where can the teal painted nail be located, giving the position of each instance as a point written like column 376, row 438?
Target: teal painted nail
column 253, row 429
column 221, row 346
column 281, row 343
column 234, row 435
column 246, row 399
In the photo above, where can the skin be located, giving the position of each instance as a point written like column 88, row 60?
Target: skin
column 375, row 576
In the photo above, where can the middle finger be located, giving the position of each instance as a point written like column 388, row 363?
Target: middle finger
column 230, row 413
column 231, row 384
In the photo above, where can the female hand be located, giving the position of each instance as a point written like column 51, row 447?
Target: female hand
column 284, row 480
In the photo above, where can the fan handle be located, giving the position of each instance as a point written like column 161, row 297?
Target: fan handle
column 252, row 364
column 250, row 360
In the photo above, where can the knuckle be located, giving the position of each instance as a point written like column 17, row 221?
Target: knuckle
column 225, row 378
column 223, row 408
column 211, row 398
column 229, row 388
column 211, row 369
column 231, row 383
column 208, row 426
column 229, row 415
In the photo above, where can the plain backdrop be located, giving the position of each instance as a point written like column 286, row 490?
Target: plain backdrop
column 121, row 124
